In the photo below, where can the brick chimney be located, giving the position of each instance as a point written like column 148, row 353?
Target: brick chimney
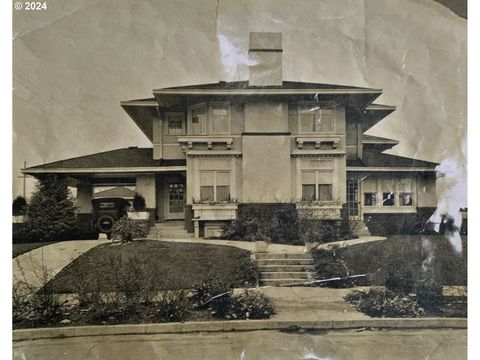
column 265, row 52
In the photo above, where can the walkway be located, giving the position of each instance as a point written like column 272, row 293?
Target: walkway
column 311, row 303
column 275, row 248
column 38, row 266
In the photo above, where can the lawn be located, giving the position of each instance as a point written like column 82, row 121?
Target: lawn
column 418, row 253
column 22, row 248
column 174, row 265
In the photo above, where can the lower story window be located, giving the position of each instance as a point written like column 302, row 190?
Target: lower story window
column 317, row 186
column 388, row 199
column 406, row 199
column 215, row 186
column 370, row 199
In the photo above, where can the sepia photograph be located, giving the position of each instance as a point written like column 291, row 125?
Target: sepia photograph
column 239, row 179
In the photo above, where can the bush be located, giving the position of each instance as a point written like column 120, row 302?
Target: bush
column 275, row 223
column 400, row 281
column 127, row 229
column 246, row 272
column 138, row 202
column 209, row 288
column 51, row 214
column 385, row 303
column 249, row 305
column 172, row 305
column 429, row 294
column 19, row 206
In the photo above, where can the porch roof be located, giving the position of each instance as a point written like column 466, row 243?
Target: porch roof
column 377, row 161
column 127, row 160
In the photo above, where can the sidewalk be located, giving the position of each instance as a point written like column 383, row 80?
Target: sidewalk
column 53, row 258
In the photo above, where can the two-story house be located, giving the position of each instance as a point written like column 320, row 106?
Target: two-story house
column 266, row 141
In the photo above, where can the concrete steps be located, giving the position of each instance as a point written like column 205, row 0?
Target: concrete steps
column 277, row 269
column 169, row 230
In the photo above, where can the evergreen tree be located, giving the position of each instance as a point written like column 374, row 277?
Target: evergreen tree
column 51, row 214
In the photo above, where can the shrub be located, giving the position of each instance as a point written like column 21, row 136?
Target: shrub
column 249, row 305
column 127, row 229
column 19, row 206
column 400, row 281
column 51, row 214
column 207, row 289
column 429, row 293
column 275, row 223
column 138, row 202
column 172, row 305
column 385, row 303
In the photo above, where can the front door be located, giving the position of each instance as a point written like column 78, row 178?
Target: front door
column 175, row 200
column 353, row 199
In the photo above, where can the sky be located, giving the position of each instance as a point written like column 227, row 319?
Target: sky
column 76, row 61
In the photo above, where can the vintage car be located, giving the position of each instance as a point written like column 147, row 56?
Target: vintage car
column 106, row 211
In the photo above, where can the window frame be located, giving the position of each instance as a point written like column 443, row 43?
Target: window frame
column 168, row 118
column 215, row 197
column 204, row 127
column 212, row 104
column 303, row 107
column 316, row 185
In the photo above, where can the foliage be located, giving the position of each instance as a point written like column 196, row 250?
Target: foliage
column 138, row 202
column 400, row 280
column 245, row 270
column 127, row 229
column 249, row 305
column 19, row 206
column 51, row 213
column 277, row 224
column 172, row 305
column 208, row 289
column 429, row 293
column 385, row 303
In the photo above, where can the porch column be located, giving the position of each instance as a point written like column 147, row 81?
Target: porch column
column 146, row 187
column 84, row 198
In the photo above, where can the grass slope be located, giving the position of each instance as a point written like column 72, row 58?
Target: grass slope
column 381, row 257
column 178, row 265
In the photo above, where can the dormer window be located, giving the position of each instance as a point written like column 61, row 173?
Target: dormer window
column 312, row 119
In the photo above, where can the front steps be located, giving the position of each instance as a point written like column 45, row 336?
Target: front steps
column 169, row 230
column 284, row 269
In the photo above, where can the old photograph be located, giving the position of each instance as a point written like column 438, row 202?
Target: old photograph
column 254, row 179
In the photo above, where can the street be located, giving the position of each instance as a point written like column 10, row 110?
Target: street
column 428, row 344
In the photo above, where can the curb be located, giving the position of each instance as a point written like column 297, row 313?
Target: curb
column 236, row 325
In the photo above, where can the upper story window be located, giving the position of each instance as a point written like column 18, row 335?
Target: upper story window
column 220, row 117
column 197, row 119
column 175, row 124
column 312, row 118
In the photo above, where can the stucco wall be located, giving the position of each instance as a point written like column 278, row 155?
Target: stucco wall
column 266, row 169
column 146, row 187
column 426, row 191
column 266, row 117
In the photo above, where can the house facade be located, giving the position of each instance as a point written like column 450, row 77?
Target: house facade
column 216, row 147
